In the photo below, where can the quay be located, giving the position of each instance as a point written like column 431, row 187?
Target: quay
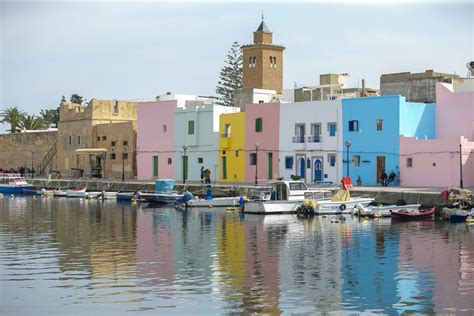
column 384, row 195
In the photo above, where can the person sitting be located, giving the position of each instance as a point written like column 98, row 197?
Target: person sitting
column 383, row 178
column 391, row 178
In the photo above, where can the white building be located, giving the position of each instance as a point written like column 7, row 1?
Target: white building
column 311, row 140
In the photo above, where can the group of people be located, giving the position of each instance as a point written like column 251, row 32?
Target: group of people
column 205, row 175
column 21, row 170
column 385, row 180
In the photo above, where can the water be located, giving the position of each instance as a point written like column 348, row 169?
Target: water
column 73, row 256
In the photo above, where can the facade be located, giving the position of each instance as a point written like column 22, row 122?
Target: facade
column 262, row 123
column 437, row 162
column 248, row 96
column 373, row 126
column 263, row 62
column 231, row 153
column 415, row 87
column 83, row 147
column 197, row 139
column 311, row 141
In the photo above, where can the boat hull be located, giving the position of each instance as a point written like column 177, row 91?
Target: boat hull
column 326, row 207
column 381, row 211
column 160, row 198
column 216, row 202
column 271, row 207
column 404, row 215
column 15, row 189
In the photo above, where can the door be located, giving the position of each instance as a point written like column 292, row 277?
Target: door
column 185, row 167
column 270, row 166
column 302, row 166
column 155, row 166
column 318, row 169
column 224, row 168
column 380, row 167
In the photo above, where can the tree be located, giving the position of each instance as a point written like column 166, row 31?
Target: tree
column 31, row 122
column 76, row 98
column 50, row 116
column 12, row 116
column 230, row 78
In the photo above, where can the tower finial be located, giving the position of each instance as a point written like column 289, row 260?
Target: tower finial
column 262, row 16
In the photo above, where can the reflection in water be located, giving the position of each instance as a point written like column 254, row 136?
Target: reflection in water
column 75, row 256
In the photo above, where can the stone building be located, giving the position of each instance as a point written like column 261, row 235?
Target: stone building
column 415, row 87
column 93, row 140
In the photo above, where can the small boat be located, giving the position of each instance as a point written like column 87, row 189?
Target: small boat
column 34, row 192
column 456, row 215
column 13, row 183
column 378, row 211
column 108, row 195
column 81, row 193
column 163, row 194
column 215, row 202
column 413, row 214
column 127, row 196
column 59, row 193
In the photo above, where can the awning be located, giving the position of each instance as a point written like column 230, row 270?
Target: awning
column 90, row 151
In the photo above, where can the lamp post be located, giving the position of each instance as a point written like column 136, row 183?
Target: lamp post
column 257, row 145
column 348, row 144
column 124, row 152
column 184, row 163
column 460, row 166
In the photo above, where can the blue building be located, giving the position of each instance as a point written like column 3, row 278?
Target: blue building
column 372, row 128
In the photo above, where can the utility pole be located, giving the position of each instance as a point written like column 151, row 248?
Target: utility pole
column 460, row 166
column 257, row 145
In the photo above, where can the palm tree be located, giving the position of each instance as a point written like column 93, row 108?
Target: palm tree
column 50, row 116
column 32, row 122
column 12, row 116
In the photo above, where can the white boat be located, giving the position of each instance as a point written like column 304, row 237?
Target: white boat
column 215, row 202
column 81, row 193
column 11, row 183
column 380, row 210
column 327, row 207
column 60, row 193
column 285, row 197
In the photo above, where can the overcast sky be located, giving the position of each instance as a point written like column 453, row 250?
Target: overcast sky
column 138, row 51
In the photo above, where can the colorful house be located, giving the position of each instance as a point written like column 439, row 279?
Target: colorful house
column 196, row 140
column 231, row 154
column 437, row 162
column 262, row 124
column 372, row 128
column 311, row 141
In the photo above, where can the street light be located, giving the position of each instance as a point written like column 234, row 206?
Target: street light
column 257, row 145
column 460, row 165
column 348, row 144
column 124, row 153
column 184, row 163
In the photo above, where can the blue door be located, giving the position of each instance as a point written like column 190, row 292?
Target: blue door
column 318, row 170
column 302, row 167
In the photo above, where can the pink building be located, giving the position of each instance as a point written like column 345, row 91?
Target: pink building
column 436, row 162
column 262, row 123
column 155, row 139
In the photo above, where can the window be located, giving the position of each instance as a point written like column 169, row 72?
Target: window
column 261, row 101
column 98, row 138
column 379, row 124
column 308, row 163
column 155, row 166
column 409, row 162
column 316, row 133
column 125, row 143
column 124, row 156
column 353, row 126
column 356, row 161
column 190, row 127
column 332, row 160
column 104, row 137
column 227, row 129
column 300, row 133
column 258, row 125
column 332, row 128
column 288, row 162
column 170, row 161
column 253, row 159
column 70, row 139
column 112, row 156
column 223, row 152
column 236, row 153
column 164, row 128
column 112, row 143
column 78, row 139
column 200, row 160
column 252, row 62
column 116, row 108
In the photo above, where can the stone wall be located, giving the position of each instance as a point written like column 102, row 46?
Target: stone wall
column 25, row 149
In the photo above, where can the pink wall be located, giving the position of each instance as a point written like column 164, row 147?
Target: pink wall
column 442, row 152
column 268, row 139
column 153, row 141
column 454, row 113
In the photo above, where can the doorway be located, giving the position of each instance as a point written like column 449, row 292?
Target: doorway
column 224, row 168
column 380, row 167
column 270, row 166
column 302, row 166
column 318, row 169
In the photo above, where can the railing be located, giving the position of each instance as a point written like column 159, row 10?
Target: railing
column 48, row 157
column 315, row 139
column 298, row 139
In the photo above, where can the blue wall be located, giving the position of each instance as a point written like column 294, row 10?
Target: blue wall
column 399, row 118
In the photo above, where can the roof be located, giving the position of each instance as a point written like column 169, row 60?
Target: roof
column 263, row 28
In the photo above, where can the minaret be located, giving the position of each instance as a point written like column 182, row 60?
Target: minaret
column 263, row 62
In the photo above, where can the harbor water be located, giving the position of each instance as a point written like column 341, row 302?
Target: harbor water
column 77, row 256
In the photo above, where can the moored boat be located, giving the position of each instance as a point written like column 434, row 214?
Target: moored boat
column 413, row 214
column 456, row 215
column 82, row 193
column 377, row 211
column 13, row 183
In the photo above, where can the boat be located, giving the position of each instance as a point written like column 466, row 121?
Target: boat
column 285, row 197
column 163, row 194
column 413, row 214
column 60, row 193
column 128, row 196
column 13, row 183
column 34, row 192
column 214, row 202
column 108, row 195
column 81, row 193
column 456, row 215
column 377, row 211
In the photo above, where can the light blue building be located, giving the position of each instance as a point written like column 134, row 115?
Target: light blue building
column 372, row 128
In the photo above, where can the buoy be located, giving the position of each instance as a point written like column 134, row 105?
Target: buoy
column 366, row 218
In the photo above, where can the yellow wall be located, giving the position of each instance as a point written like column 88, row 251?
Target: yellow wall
column 236, row 142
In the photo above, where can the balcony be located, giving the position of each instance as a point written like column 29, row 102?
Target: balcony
column 298, row 139
column 315, row 139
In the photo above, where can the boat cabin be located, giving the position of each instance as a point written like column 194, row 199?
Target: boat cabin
column 12, row 179
column 294, row 190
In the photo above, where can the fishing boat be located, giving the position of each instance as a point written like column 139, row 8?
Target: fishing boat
column 13, row 183
column 377, row 211
column 456, row 214
column 163, row 194
column 413, row 214
column 81, row 193
column 127, row 196
column 285, row 197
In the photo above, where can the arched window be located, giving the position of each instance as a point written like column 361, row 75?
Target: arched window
column 250, row 62
column 254, row 62
column 274, row 62
column 271, row 62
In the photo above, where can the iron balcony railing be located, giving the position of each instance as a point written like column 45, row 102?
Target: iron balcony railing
column 298, row 139
column 315, row 139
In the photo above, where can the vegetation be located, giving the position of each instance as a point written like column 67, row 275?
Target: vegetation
column 12, row 116
column 50, row 117
column 230, row 78
column 76, row 98
column 32, row 122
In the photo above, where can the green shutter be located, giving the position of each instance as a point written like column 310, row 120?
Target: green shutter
column 270, row 166
column 258, row 125
column 190, row 127
column 224, row 168
column 155, row 166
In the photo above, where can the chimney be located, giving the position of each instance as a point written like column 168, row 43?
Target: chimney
column 363, row 88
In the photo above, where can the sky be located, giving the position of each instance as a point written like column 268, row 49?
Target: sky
column 123, row 50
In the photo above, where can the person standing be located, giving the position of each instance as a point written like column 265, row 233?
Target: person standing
column 202, row 174
column 207, row 176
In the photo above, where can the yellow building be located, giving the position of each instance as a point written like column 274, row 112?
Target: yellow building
column 231, row 155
